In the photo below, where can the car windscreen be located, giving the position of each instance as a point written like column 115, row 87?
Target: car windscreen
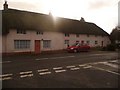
column 76, row 44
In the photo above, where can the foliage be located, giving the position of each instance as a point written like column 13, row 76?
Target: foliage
column 110, row 47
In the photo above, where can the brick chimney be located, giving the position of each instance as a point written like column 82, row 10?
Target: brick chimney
column 5, row 5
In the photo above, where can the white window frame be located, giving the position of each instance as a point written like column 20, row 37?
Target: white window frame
column 67, row 35
column 96, row 42
column 67, row 42
column 88, row 42
column 39, row 33
column 22, row 44
column 46, row 43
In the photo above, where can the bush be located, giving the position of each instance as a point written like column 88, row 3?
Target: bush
column 110, row 47
column 96, row 48
column 117, row 46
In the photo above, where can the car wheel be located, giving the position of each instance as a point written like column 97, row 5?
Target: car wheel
column 75, row 50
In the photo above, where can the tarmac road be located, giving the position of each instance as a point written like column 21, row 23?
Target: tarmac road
column 64, row 70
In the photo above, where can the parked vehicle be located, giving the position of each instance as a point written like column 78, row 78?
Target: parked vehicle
column 77, row 47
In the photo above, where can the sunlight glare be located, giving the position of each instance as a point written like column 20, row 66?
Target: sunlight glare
column 66, row 8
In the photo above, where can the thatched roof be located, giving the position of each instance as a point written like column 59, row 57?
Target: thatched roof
column 17, row 19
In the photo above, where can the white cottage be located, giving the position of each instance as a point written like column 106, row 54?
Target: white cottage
column 24, row 31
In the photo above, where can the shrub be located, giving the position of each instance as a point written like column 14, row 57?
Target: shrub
column 111, row 47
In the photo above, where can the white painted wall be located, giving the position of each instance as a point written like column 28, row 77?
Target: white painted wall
column 0, row 44
column 91, row 38
column 57, row 40
column 14, row 36
column 55, row 37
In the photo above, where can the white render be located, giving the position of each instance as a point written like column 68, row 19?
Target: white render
column 57, row 40
column 1, row 44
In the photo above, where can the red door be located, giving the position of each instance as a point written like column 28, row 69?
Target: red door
column 37, row 46
column 82, row 42
column 102, row 43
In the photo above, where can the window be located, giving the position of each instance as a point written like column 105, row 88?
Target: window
column 21, row 44
column 38, row 33
column 46, row 43
column 67, row 35
column 88, row 35
column 67, row 42
column 77, row 41
column 96, row 42
column 88, row 42
column 21, row 31
column 77, row 35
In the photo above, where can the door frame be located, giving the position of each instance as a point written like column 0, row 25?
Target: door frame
column 37, row 46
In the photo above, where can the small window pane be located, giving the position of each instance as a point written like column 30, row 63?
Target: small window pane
column 96, row 42
column 19, row 31
column 21, row 44
column 46, row 43
column 67, row 35
column 88, row 42
column 67, row 42
column 38, row 33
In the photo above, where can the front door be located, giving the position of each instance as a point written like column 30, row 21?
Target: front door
column 102, row 43
column 37, row 46
column 82, row 42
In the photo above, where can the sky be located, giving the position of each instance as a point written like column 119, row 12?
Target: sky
column 103, row 13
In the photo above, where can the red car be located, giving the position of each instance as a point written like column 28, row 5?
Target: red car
column 78, row 47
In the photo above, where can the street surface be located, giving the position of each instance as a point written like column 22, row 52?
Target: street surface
column 66, row 70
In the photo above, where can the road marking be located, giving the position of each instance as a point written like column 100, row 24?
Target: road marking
column 111, row 65
column 87, row 67
column 54, row 58
column 5, row 75
column 42, row 58
column 105, row 70
column 43, row 73
column 82, row 65
column 29, row 75
column 99, row 54
column 27, row 72
column 58, row 71
column 61, row 57
column 95, row 54
column 57, row 68
column 94, row 63
column 74, row 68
column 5, row 62
column 114, row 61
column 42, row 70
column 70, row 66
column 6, row 78
column 102, row 54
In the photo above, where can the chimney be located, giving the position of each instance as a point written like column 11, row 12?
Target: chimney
column 82, row 19
column 50, row 13
column 5, row 5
